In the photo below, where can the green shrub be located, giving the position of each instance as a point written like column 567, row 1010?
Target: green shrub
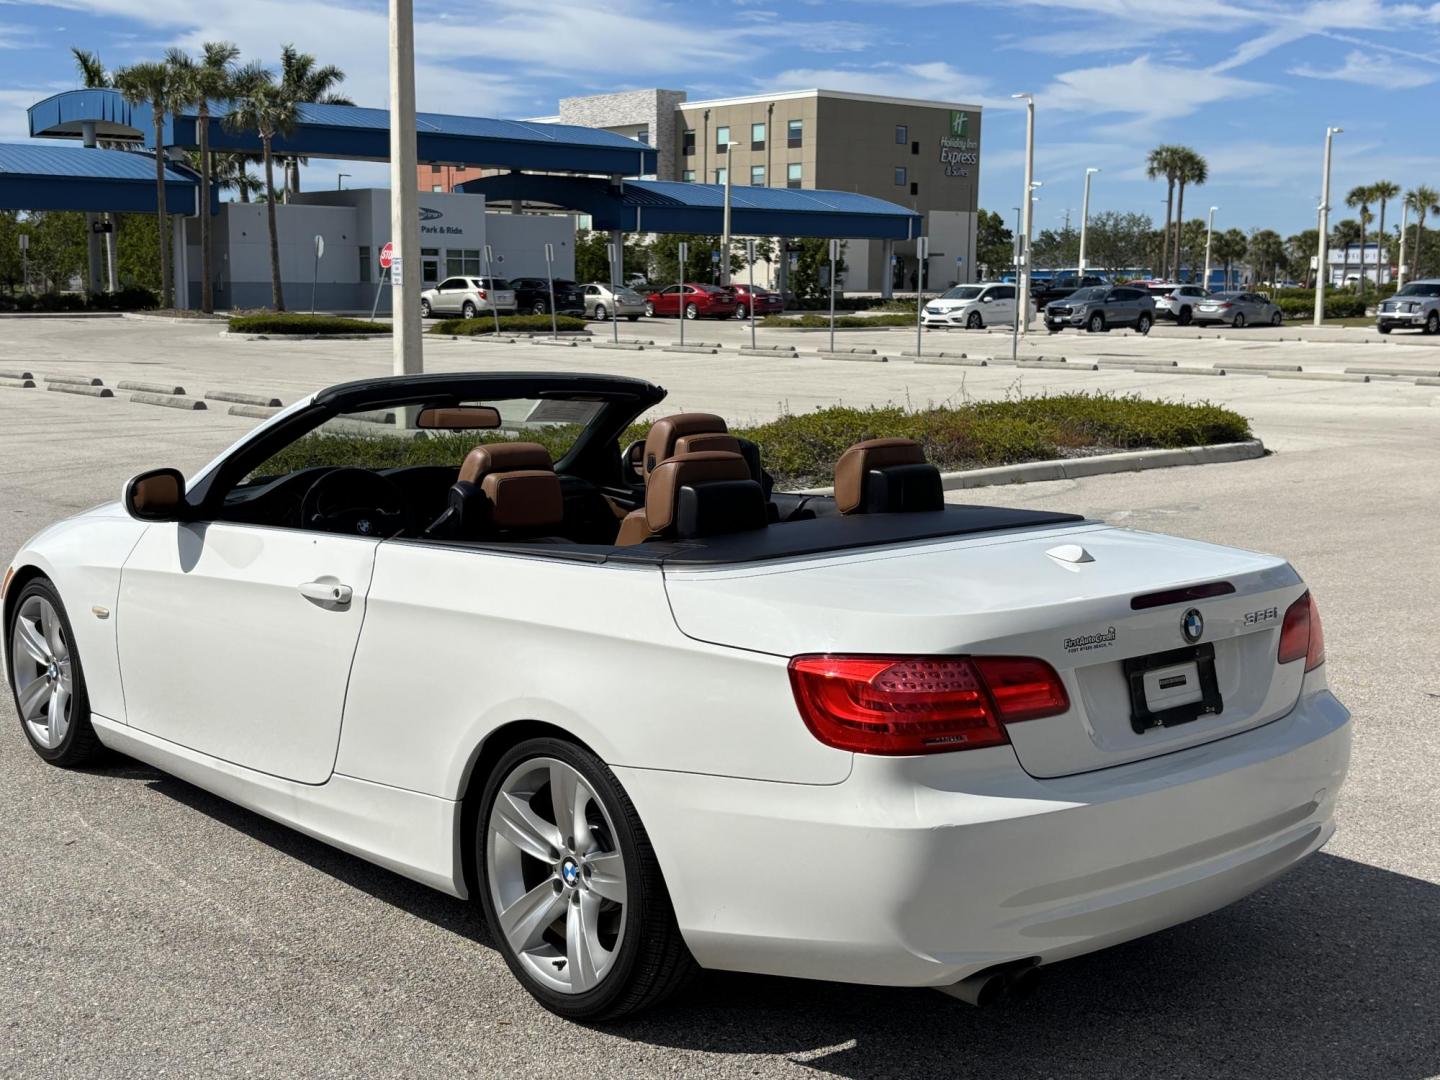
column 801, row 450
column 288, row 322
column 514, row 324
column 823, row 321
column 1337, row 305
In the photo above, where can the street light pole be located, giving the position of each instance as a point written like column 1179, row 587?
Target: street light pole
column 1321, row 270
column 725, row 228
column 1085, row 217
column 406, row 344
column 1209, row 230
column 1404, row 228
column 1027, row 214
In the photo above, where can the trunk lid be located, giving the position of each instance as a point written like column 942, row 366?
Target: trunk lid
column 1062, row 594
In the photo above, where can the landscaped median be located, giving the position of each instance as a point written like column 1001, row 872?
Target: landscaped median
column 812, row 321
column 801, row 450
column 509, row 324
column 295, row 324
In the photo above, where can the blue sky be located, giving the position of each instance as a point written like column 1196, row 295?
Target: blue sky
column 1251, row 84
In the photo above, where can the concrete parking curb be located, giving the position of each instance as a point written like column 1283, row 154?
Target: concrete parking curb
column 1410, row 373
column 152, row 388
column 140, row 316
column 1254, row 365
column 1056, row 365
column 1101, row 464
column 18, row 384
column 631, row 347
column 258, row 412
column 846, row 349
column 1129, row 365
column 263, row 401
column 941, row 355
column 708, row 349
column 553, row 341
column 81, row 388
column 1427, row 380
column 1161, row 369
column 78, row 380
column 1320, row 376
column 169, row 401
column 16, row 375
column 786, row 354
column 954, row 361
column 853, row 358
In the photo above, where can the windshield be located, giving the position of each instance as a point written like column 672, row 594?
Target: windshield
column 1421, row 288
column 1094, row 292
column 964, row 292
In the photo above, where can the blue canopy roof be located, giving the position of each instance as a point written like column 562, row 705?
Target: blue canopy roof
column 359, row 134
column 677, row 206
column 75, row 178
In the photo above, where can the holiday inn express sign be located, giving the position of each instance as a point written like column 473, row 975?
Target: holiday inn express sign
column 959, row 152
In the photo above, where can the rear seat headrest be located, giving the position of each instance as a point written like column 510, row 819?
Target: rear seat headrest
column 523, row 499
column 886, row 476
column 661, row 439
column 708, row 493
column 503, row 457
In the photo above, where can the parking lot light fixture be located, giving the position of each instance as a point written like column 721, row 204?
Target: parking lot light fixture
column 1085, row 217
column 1322, row 272
column 404, row 200
column 1027, row 209
column 725, row 230
column 1209, row 230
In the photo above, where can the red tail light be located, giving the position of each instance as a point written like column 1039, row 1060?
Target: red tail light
column 480, row 293
column 1227, row 304
column 921, row 705
column 1302, row 635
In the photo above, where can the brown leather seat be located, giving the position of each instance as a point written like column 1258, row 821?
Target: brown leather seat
column 503, row 488
column 886, row 476
column 660, row 441
column 706, row 493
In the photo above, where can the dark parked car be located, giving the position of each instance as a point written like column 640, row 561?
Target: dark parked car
column 532, row 296
column 1100, row 307
column 764, row 301
column 1043, row 292
column 699, row 301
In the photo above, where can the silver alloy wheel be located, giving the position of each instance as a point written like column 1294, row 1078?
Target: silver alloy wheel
column 556, row 875
column 40, row 666
column 601, row 313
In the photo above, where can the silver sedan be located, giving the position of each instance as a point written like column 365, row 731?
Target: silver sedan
column 601, row 302
column 1238, row 309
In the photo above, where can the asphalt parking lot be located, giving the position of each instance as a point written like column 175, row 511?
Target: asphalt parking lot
column 148, row 928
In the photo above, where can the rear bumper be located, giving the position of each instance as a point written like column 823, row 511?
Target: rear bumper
column 921, row 871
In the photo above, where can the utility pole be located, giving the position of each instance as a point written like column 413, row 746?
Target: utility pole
column 1209, row 230
column 406, row 344
column 725, row 224
column 1027, row 211
column 1085, row 217
column 1321, row 271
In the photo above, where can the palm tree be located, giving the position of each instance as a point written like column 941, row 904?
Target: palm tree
column 260, row 105
column 232, row 173
column 1162, row 162
column 1423, row 200
column 303, row 82
column 196, row 85
column 1360, row 199
column 1382, row 191
column 92, row 71
column 1190, row 168
column 153, row 82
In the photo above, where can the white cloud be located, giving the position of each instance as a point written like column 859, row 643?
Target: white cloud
column 1368, row 69
column 934, row 81
column 1149, row 92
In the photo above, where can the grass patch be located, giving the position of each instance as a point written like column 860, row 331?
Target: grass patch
column 801, row 450
column 290, row 322
column 513, row 324
column 818, row 322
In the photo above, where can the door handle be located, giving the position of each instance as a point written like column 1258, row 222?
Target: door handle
column 326, row 592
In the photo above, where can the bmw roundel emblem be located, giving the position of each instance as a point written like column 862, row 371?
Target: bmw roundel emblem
column 570, row 872
column 1192, row 625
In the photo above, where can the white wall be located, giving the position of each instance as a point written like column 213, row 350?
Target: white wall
column 519, row 243
column 952, row 233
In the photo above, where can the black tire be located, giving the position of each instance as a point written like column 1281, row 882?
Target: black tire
column 1432, row 324
column 1238, row 323
column 80, row 744
column 1096, row 324
column 1144, row 323
column 468, row 310
column 740, row 312
column 425, row 309
column 633, row 318
column 600, row 313
column 973, row 321
column 1183, row 319
column 1384, row 329
column 649, row 310
column 692, row 311
column 540, row 308
column 653, row 961
column 1276, row 319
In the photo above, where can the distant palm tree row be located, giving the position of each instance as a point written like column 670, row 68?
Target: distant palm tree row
column 255, row 101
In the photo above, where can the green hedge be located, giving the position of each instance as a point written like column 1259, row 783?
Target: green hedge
column 823, row 321
column 801, row 450
column 485, row 324
column 131, row 298
column 295, row 323
column 1337, row 305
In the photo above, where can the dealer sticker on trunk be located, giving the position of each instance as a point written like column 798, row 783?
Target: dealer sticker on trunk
column 1102, row 639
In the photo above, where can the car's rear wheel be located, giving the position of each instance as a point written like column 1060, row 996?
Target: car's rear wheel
column 601, row 313
column 1143, row 323
column 633, row 318
column 572, row 889
column 692, row 311
column 540, row 308
column 1239, row 321
column 468, row 310
column 1184, row 317
column 649, row 310
column 1384, row 329
column 46, row 679
column 1276, row 318
column 424, row 309
column 1096, row 323
column 973, row 321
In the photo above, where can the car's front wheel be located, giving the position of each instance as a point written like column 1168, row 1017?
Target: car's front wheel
column 649, row 310
column 1432, row 324
column 46, row 679
column 601, row 313
column 973, row 321
column 424, row 309
column 1276, row 318
column 1183, row 319
column 572, row 889
column 539, row 308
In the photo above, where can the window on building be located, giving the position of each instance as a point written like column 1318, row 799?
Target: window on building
column 794, row 174
column 914, row 188
column 795, row 133
column 433, row 187
column 722, row 137
column 915, row 148
column 720, row 175
column 901, row 177
column 643, row 135
column 687, row 143
column 688, row 176
column 757, row 136
column 364, row 265
column 902, row 134
column 757, row 175
column 462, row 262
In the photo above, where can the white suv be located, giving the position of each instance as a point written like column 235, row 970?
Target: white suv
column 972, row 307
column 1416, row 305
column 1178, row 302
column 468, row 297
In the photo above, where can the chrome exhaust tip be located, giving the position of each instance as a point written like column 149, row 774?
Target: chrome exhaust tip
column 1010, row 981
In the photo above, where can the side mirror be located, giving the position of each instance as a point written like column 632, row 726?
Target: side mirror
column 986, row 298
column 157, row 495
column 632, row 461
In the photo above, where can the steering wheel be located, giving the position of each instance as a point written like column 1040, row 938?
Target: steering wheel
column 357, row 502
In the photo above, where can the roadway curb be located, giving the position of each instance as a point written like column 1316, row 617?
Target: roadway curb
column 305, row 337
column 1102, row 464
column 60, row 315
column 139, row 316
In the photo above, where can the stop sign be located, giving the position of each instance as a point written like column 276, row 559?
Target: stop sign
column 387, row 255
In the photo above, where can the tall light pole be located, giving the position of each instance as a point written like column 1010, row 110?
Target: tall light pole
column 1404, row 227
column 1085, row 217
column 1321, row 270
column 725, row 227
column 1209, row 231
column 1026, row 210
column 404, row 200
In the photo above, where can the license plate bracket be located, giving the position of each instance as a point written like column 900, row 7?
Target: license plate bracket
column 1143, row 716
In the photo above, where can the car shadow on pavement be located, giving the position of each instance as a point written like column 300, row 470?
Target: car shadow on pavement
column 1329, row 972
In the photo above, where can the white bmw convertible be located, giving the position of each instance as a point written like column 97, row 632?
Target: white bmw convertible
column 656, row 716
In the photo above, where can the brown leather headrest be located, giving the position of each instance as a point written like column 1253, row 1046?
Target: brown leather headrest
column 494, row 457
column 524, row 498
column 660, row 442
column 710, row 441
column 855, row 463
column 670, row 476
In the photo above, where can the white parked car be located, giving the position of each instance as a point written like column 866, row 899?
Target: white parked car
column 972, row 307
column 868, row 737
column 468, row 297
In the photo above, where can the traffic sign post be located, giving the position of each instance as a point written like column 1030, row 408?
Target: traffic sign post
column 616, row 248
column 834, row 261
column 750, row 260
column 315, row 280
column 550, row 277
column 922, row 257
column 490, row 280
column 680, row 289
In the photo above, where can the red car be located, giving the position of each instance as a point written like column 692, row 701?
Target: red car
column 764, row 301
column 707, row 301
